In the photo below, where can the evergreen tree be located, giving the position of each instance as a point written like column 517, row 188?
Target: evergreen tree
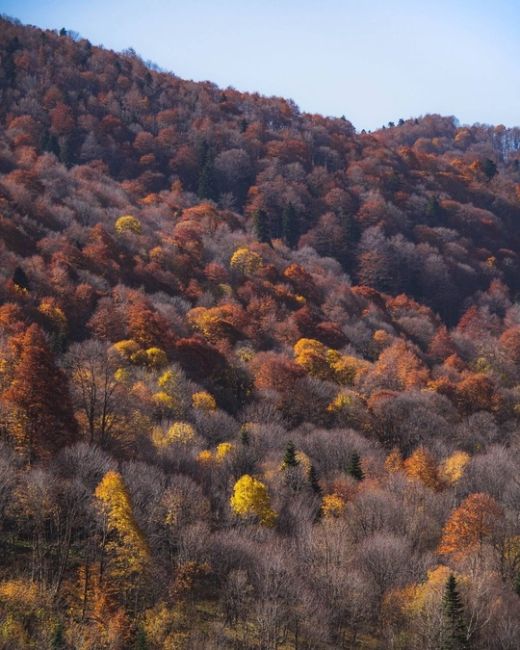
column 207, row 185
column 290, row 227
column 351, row 237
column 489, row 168
column 313, row 480
column 454, row 629
column 354, row 467
column 289, row 459
column 433, row 211
column 58, row 639
column 516, row 584
column 20, row 279
column 207, row 188
column 262, row 227
column 140, row 640
column 244, row 436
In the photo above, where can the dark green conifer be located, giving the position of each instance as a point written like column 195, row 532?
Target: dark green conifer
column 313, row 480
column 290, row 227
column 489, row 168
column 454, row 628
column 140, row 642
column 244, row 435
column 354, row 467
column 58, row 638
column 20, row 278
column 207, row 188
column 516, row 584
column 289, row 459
column 262, row 227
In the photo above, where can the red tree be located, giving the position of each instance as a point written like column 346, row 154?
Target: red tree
column 44, row 420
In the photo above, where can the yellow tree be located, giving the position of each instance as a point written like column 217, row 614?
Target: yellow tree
column 394, row 461
column 245, row 261
column 421, row 466
column 312, row 355
column 251, row 499
column 128, row 223
column 127, row 547
column 452, row 469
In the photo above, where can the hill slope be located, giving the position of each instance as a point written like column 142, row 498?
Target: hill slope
column 200, row 285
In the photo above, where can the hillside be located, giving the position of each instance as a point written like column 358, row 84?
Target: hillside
column 259, row 373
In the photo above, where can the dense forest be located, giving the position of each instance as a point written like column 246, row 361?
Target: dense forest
column 259, row 373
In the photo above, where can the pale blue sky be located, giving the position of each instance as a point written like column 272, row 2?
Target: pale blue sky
column 371, row 60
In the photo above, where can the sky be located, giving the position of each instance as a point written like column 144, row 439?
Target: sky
column 373, row 61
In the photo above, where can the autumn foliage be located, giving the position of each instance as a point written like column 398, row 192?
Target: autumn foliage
column 259, row 372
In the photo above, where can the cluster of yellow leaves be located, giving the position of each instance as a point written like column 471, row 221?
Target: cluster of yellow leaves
column 303, row 460
column 251, row 499
column 155, row 357
column 215, row 322
column 333, row 506
column 179, row 432
column 126, row 348
column 394, row 461
column 245, row 261
column 203, row 401
column 50, row 309
column 206, row 456
column 421, row 466
column 132, row 548
column 340, row 403
column 131, row 351
column 169, row 381
column 414, row 599
column 163, row 401
column 162, row 625
column 19, row 592
column 452, row 469
column 122, row 375
column 127, row 223
column 20, row 602
column 325, row 363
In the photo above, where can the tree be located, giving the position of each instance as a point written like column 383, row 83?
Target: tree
column 470, row 524
column 290, row 227
column 421, row 466
column 245, row 261
column 313, row 480
column 489, row 168
column 251, row 499
column 289, row 459
column 126, row 545
column 394, row 461
column 454, row 628
column 262, row 227
column 20, row 279
column 128, row 223
column 207, row 187
column 354, row 467
column 39, row 395
column 94, row 389
column 452, row 469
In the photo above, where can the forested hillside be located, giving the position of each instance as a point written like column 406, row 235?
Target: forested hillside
column 259, row 373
